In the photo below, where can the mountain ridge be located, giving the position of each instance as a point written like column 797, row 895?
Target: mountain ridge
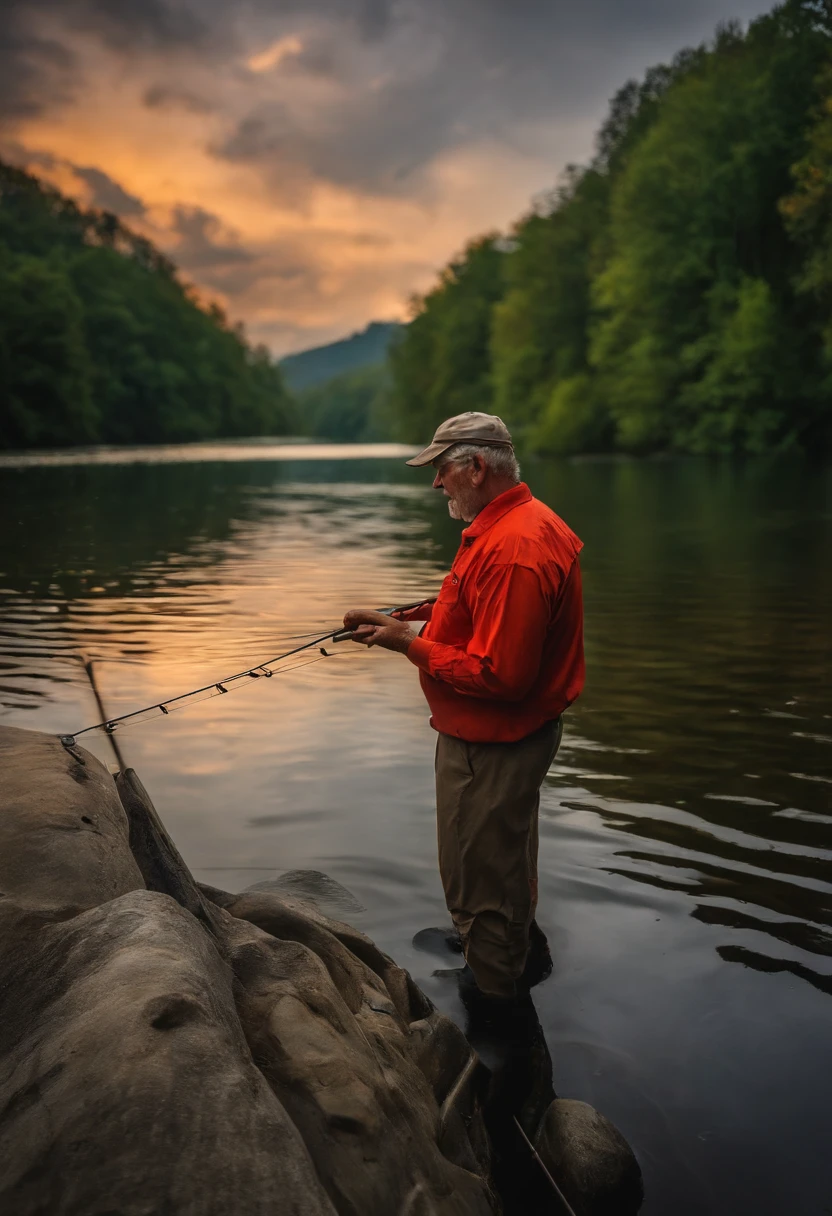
column 309, row 368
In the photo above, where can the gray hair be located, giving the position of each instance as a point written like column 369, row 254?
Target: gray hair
column 500, row 460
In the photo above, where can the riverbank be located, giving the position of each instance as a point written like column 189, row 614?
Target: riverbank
column 171, row 1046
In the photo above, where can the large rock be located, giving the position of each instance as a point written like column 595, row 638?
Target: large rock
column 345, row 1063
column 590, row 1160
column 127, row 1082
column 181, row 1050
column 64, row 838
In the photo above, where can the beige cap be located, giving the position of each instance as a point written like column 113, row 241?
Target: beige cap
column 472, row 427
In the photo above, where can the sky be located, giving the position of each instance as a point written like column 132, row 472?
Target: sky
column 310, row 164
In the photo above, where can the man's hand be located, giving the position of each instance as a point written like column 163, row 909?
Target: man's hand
column 376, row 629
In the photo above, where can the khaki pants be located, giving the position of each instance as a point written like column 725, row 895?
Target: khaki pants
column 487, row 800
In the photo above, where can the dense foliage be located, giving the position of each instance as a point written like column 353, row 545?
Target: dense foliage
column 101, row 342
column 674, row 294
column 350, row 408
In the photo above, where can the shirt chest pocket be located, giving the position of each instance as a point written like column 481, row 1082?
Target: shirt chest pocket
column 451, row 621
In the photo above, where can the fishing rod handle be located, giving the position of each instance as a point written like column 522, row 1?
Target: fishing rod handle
column 344, row 634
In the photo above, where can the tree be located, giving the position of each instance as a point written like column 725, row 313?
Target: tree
column 441, row 364
column 676, row 293
column 807, row 213
column 540, row 327
column 699, row 253
column 350, row 407
column 99, row 340
column 45, row 370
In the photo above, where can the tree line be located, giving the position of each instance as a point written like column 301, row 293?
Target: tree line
column 100, row 341
column 673, row 294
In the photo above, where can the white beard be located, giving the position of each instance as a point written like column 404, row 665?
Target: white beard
column 464, row 507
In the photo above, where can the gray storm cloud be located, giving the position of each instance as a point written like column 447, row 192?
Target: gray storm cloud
column 494, row 62
column 364, row 96
column 108, row 194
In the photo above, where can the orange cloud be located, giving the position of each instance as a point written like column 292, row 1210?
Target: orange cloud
column 275, row 54
column 307, row 200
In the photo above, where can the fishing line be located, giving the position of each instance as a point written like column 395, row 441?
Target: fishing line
column 264, row 670
column 153, row 712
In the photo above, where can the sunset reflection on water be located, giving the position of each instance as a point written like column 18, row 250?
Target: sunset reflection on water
column 685, row 828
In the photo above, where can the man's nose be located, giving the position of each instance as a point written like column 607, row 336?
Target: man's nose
column 437, row 481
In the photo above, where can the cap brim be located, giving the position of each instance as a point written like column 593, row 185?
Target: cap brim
column 430, row 453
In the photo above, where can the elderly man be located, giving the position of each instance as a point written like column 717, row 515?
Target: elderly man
column 500, row 659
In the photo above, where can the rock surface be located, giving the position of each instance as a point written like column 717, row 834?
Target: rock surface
column 589, row 1158
column 64, row 843
column 317, row 888
column 171, row 1048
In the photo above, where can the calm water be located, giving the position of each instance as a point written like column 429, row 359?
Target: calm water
column 686, row 830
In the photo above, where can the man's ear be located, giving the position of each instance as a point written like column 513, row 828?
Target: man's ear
column 479, row 469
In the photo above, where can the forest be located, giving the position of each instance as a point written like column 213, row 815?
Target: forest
column 100, row 341
column 673, row 294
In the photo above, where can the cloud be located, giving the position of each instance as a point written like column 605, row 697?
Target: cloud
column 34, row 72
column 313, row 162
column 89, row 185
column 133, row 24
column 108, row 194
column 202, row 242
column 163, row 97
column 273, row 55
column 410, row 82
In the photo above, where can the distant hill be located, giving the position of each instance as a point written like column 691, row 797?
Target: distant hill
column 101, row 342
column 312, row 367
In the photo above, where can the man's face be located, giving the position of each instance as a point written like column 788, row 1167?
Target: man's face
column 453, row 478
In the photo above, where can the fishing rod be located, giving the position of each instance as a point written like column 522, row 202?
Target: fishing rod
column 101, row 709
column 564, row 1202
column 217, row 687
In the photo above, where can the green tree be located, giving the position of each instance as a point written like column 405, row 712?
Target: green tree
column 441, row 365
column 350, row 407
column 99, row 340
column 675, row 294
column 540, row 327
column 807, row 213
column 574, row 419
column 694, row 224
column 45, row 370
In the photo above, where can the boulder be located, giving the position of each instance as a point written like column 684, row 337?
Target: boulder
column 345, row 1064
column 590, row 1160
column 166, row 1047
column 316, row 887
column 64, row 836
column 127, row 1083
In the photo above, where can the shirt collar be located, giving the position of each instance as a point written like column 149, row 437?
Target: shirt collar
column 496, row 509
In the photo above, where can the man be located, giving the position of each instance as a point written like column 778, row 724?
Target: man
column 500, row 659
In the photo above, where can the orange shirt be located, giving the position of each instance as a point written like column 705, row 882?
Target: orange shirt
column 502, row 651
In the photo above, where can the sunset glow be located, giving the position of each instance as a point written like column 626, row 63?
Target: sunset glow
column 313, row 167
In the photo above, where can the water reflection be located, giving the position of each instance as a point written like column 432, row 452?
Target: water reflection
column 227, row 450
column 685, row 829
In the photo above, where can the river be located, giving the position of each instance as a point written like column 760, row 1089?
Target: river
column 686, row 828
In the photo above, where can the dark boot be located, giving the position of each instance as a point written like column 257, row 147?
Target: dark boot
column 438, row 941
column 507, row 1035
column 539, row 964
